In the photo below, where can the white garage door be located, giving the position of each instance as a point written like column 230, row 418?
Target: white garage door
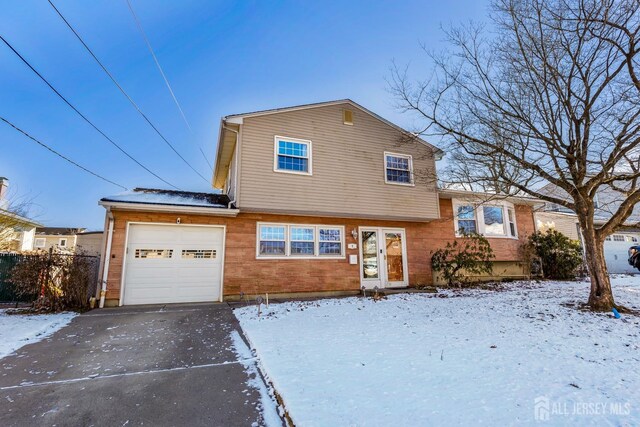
column 173, row 263
column 616, row 247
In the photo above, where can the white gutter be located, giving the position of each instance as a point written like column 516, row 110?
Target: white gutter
column 150, row 207
column 107, row 257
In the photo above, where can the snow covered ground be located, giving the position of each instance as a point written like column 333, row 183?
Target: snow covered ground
column 520, row 356
column 18, row 330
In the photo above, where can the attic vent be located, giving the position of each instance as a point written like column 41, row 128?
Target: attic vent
column 347, row 117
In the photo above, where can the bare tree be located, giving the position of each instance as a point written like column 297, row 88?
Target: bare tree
column 549, row 96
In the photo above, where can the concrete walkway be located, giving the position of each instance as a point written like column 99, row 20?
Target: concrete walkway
column 145, row 365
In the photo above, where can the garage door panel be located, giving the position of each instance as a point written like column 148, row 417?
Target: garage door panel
column 616, row 252
column 193, row 276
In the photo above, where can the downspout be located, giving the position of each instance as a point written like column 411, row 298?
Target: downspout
column 107, row 258
column 235, row 177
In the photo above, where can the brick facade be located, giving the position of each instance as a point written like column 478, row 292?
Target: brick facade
column 244, row 273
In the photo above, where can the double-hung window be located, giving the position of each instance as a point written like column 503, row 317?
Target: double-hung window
column 292, row 155
column 330, row 241
column 300, row 240
column 398, row 169
column 511, row 217
column 466, row 219
column 490, row 220
column 272, row 240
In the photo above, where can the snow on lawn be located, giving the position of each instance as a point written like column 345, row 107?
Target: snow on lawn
column 456, row 358
column 17, row 330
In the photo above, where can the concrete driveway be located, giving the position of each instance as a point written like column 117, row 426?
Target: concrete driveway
column 172, row 366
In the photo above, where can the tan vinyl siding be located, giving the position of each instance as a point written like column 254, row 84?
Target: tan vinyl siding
column 347, row 163
column 565, row 224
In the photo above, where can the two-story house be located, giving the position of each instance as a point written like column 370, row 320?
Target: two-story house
column 316, row 199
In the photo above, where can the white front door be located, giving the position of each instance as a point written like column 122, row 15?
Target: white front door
column 383, row 259
column 173, row 263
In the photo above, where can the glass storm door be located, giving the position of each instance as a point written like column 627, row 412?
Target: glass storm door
column 394, row 254
column 383, row 258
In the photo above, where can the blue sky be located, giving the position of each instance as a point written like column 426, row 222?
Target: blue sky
column 221, row 57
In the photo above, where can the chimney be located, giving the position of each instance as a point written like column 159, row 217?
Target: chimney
column 4, row 188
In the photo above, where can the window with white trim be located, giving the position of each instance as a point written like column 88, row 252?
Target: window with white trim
column 511, row 221
column 299, row 240
column 398, row 169
column 39, row 242
column 63, row 243
column 272, row 240
column 489, row 219
column 302, row 240
column 292, row 155
column 466, row 219
column 493, row 217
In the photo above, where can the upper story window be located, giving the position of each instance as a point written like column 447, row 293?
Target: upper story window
column 39, row 242
column 63, row 243
column 398, row 169
column 496, row 219
column 292, row 155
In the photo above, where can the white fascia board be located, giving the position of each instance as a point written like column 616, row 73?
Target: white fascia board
column 151, row 207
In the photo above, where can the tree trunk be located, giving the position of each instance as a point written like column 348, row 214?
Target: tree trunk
column 601, row 296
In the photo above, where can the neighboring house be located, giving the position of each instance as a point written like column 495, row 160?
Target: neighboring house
column 90, row 242
column 71, row 240
column 316, row 199
column 607, row 202
column 16, row 231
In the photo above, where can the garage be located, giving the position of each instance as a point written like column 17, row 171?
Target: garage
column 173, row 264
column 616, row 249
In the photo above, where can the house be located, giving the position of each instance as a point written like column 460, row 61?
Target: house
column 607, row 201
column 71, row 240
column 16, row 231
column 318, row 199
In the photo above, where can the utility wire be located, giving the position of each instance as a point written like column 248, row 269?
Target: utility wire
column 205, row 157
column 166, row 81
column 123, row 91
column 83, row 116
column 42, row 144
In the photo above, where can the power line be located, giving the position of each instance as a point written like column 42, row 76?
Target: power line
column 206, row 159
column 166, row 81
column 61, row 155
column 123, row 91
column 83, row 116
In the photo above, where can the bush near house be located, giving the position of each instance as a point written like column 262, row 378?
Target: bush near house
column 559, row 255
column 470, row 255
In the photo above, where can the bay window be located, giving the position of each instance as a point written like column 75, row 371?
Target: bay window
column 494, row 219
